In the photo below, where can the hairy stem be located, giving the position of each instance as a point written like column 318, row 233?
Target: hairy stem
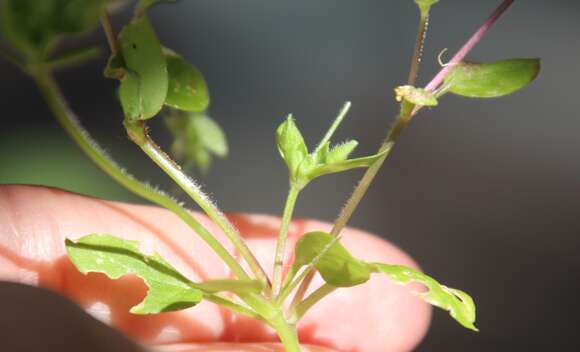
column 419, row 44
column 137, row 132
column 81, row 137
column 283, row 238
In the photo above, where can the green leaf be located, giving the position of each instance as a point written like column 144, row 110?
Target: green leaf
column 187, row 87
column 337, row 267
column 416, row 96
column 341, row 166
column 341, row 152
column 459, row 304
column 291, row 145
column 209, row 134
column 490, row 80
column 143, row 56
column 116, row 257
column 340, row 269
column 34, row 26
column 130, row 96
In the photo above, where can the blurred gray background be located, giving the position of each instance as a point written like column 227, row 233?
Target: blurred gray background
column 485, row 194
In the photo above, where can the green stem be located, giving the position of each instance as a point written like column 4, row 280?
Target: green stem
column 283, row 237
column 301, row 309
column 110, row 33
column 339, row 118
column 138, row 134
column 80, row 136
column 287, row 334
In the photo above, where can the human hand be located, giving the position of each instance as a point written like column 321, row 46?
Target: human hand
column 34, row 221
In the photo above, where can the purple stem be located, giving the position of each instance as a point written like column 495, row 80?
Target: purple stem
column 467, row 47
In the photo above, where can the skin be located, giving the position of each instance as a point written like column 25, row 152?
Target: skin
column 34, row 221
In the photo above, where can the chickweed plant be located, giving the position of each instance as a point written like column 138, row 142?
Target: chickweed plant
column 155, row 80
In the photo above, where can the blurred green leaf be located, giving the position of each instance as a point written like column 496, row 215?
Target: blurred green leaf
column 187, row 88
column 416, row 96
column 196, row 137
column 143, row 57
column 34, row 26
column 116, row 257
column 209, row 134
column 490, row 80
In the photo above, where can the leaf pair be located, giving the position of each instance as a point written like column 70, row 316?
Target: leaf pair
column 168, row 289
column 196, row 137
column 304, row 166
column 152, row 77
column 34, row 26
column 340, row 269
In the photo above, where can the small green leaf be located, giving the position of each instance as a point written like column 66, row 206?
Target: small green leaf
column 337, row 267
column 34, row 26
column 291, row 145
column 340, row 269
column 490, row 80
column 459, row 304
column 209, row 134
column 416, row 96
column 116, row 257
column 335, row 167
column 341, row 152
column 187, row 88
column 143, row 56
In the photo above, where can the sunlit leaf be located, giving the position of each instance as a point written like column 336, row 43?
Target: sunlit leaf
column 489, row 80
column 341, row 152
column 459, row 304
column 187, row 88
column 116, row 257
column 341, row 166
column 291, row 145
column 337, row 267
column 142, row 55
column 340, row 269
